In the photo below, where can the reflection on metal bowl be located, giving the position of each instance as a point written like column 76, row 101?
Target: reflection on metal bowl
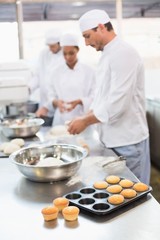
column 26, row 159
column 22, row 127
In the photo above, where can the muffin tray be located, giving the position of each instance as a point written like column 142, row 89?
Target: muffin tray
column 96, row 201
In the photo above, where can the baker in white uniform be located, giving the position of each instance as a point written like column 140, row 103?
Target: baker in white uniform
column 50, row 57
column 119, row 105
column 71, row 92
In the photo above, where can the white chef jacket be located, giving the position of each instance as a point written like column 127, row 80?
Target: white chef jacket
column 120, row 101
column 69, row 85
column 47, row 61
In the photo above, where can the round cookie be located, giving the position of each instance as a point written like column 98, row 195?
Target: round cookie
column 116, row 199
column 61, row 202
column 114, row 188
column 70, row 213
column 100, row 184
column 50, row 213
column 112, row 179
column 128, row 193
column 140, row 187
column 126, row 183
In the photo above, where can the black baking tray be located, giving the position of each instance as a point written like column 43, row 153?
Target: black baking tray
column 95, row 201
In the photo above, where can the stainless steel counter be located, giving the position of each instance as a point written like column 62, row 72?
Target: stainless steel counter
column 22, row 201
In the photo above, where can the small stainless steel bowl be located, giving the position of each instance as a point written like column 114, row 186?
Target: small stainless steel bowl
column 28, row 130
column 26, row 159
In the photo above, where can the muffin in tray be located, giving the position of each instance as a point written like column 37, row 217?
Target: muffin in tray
column 100, row 184
column 116, row 199
column 128, row 193
column 140, row 187
column 112, row 179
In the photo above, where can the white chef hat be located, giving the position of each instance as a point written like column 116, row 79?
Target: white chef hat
column 92, row 18
column 69, row 39
column 52, row 36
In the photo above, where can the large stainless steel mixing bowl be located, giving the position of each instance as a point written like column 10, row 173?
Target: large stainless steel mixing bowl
column 11, row 130
column 26, row 159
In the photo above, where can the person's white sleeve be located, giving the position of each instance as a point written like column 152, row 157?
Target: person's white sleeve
column 110, row 105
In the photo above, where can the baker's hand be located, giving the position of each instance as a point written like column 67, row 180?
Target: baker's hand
column 41, row 112
column 77, row 125
column 71, row 105
column 61, row 106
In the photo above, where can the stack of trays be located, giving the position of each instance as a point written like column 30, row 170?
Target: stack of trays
column 97, row 201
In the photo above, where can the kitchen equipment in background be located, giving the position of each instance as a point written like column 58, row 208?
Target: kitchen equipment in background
column 26, row 159
column 18, row 109
column 13, row 90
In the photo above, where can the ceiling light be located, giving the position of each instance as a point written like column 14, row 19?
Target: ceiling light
column 78, row 4
column 74, row 16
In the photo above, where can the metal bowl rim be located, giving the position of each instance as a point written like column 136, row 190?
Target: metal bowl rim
column 81, row 149
column 39, row 123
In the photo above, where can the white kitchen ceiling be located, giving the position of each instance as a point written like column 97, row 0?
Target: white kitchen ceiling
column 71, row 10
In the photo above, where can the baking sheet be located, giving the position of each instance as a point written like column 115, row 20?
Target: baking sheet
column 95, row 201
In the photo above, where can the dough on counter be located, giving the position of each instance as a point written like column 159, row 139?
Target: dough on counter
column 50, row 161
column 3, row 145
column 19, row 141
column 10, row 148
column 83, row 144
column 59, row 130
